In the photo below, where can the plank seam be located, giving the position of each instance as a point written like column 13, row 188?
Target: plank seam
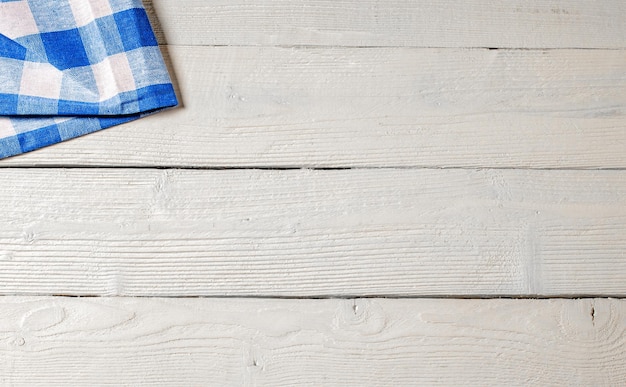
column 304, row 167
column 310, row 47
column 341, row 297
column 459, row 48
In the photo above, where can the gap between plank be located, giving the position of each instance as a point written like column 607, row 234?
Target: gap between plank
column 311, row 168
column 326, row 46
column 343, row 297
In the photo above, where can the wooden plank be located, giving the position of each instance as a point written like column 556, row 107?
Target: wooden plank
column 310, row 233
column 247, row 106
column 247, row 342
column 405, row 23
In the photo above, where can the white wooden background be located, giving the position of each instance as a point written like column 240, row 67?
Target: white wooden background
column 353, row 193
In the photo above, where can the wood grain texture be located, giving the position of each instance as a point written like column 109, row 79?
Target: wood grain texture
column 308, row 233
column 399, row 84
column 430, row 23
column 247, row 106
column 381, row 342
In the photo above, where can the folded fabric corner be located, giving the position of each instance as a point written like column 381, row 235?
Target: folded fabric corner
column 73, row 67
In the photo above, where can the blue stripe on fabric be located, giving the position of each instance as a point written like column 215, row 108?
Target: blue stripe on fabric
column 107, row 122
column 96, row 50
column 78, row 108
column 27, row 104
column 137, row 101
column 156, row 96
column 147, row 66
column 79, row 84
column 35, row 50
column 134, row 28
column 51, row 134
column 8, row 104
column 52, row 15
column 11, row 49
column 125, row 103
column 36, row 139
column 76, row 127
column 9, row 146
column 10, row 79
column 110, row 35
column 65, row 49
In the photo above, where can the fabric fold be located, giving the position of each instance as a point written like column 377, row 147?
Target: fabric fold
column 72, row 67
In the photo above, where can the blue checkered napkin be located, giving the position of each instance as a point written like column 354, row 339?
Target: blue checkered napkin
column 72, row 67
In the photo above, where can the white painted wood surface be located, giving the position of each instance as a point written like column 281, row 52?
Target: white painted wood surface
column 424, row 23
column 463, row 171
column 364, row 342
column 312, row 233
column 338, row 107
